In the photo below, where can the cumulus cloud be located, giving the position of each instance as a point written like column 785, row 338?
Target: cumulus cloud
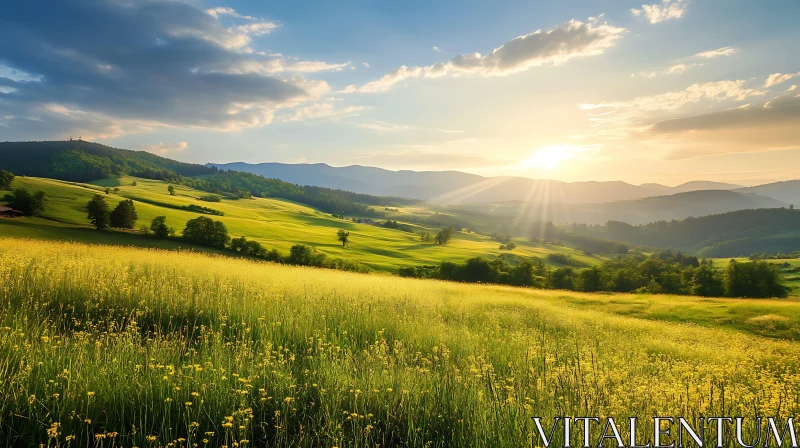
column 777, row 78
column 659, row 12
column 165, row 148
column 556, row 46
column 137, row 66
column 711, row 54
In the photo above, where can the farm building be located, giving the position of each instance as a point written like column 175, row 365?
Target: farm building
column 8, row 212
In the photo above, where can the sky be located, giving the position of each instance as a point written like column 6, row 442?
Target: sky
column 667, row 91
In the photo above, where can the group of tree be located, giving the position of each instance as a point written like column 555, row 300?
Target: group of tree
column 389, row 224
column 6, row 177
column 663, row 273
column 509, row 246
column 123, row 216
column 776, row 256
column 425, row 237
column 30, row 204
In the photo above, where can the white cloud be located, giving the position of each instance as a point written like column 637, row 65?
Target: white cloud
column 711, row 54
column 556, row 46
column 436, row 49
column 165, row 148
column 715, row 91
column 256, row 28
column 667, row 9
column 382, row 126
column 777, row 78
column 323, row 110
column 365, row 64
column 226, row 11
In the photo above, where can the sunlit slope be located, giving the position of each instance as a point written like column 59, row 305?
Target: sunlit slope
column 153, row 347
column 275, row 223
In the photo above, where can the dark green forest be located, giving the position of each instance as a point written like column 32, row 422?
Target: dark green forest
column 732, row 234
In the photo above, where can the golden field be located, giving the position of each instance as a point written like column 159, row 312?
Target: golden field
column 110, row 346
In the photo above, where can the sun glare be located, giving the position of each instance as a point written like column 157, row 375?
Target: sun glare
column 550, row 157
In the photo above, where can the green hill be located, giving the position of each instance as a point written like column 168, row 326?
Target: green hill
column 80, row 161
column 275, row 223
column 732, row 234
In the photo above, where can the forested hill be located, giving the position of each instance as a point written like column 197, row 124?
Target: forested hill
column 80, row 161
column 732, row 234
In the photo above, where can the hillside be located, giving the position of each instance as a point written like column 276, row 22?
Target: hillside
column 457, row 187
column 788, row 191
column 733, row 234
column 80, row 161
column 220, row 349
column 275, row 223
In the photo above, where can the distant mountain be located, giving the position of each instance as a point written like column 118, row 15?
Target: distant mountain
column 638, row 211
column 788, row 191
column 731, row 234
column 455, row 187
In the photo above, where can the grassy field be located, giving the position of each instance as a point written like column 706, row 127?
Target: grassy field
column 131, row 347
column 275, row 223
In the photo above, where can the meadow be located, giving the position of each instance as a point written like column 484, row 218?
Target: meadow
column 119, row 346
column 275, row 223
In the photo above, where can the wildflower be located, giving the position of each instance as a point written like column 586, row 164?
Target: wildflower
column 53, row 431
column 90, row 394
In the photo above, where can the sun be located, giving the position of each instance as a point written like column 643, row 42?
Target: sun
column 549, row 157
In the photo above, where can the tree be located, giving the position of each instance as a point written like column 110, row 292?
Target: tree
column 98, row 212
column 206, row 232
column 706, row 282
column 31, row 204
column 116, row 190
column 444, row 236
column 6, row 177
column 124, row 216
column 133, row 183
column 171, row 190
column 108, row 190
column 343, row 236
column 159, row 227
column 511, row 246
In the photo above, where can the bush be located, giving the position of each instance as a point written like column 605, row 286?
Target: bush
column 211, row 198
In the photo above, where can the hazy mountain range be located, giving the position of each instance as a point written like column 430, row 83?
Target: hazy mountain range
column 454, row 187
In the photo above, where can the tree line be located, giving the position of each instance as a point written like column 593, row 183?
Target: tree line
column 662, row 273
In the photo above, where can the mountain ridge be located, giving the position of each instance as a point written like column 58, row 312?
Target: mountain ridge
column 451, row 186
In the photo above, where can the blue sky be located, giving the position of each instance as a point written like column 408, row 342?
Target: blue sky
column 659, row 91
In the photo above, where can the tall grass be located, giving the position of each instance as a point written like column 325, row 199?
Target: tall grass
column 106, row 346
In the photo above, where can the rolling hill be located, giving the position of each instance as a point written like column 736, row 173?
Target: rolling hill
column 276, row 223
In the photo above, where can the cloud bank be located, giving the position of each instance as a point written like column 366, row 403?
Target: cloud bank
column 571, row 40
column 156, row 63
